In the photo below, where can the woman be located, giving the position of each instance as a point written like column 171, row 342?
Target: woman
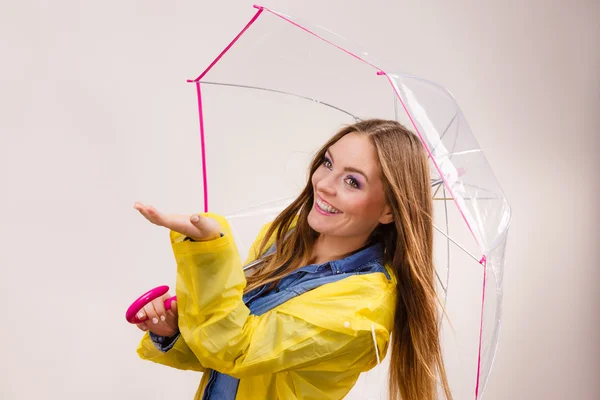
column 346, row 266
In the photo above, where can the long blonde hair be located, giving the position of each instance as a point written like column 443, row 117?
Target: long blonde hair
column 416, row 356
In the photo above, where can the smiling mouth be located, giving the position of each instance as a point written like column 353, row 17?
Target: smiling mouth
column 325, row 207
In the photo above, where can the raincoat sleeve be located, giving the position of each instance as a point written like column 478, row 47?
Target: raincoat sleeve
column 178, row 354
column 317, row 331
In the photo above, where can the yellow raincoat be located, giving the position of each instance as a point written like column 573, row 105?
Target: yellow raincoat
column 313, row 346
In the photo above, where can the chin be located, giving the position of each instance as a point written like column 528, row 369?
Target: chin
column 313, row 222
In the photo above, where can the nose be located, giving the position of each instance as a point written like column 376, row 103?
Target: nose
column 327, row 185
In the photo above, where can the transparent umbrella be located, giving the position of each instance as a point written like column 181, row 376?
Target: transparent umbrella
column 279, row 90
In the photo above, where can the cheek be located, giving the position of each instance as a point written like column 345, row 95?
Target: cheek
column 365, row 205
column 358, row 204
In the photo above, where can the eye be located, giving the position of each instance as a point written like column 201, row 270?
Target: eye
column 352, row 182
column 327, row 163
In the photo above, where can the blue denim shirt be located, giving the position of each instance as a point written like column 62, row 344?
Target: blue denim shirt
column 261, row 300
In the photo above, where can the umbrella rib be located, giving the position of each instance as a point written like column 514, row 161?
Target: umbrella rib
column 281, row 92
column 457, row 244
column 260, row 207
column 448, row 255
column 252, row 264
column 448, row 262
column 443, row 134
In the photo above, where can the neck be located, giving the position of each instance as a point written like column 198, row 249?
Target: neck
column 330, row 248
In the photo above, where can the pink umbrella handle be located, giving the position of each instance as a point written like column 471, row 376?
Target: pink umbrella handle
column 152, row 294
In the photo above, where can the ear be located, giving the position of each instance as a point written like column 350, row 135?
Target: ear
column 386, row 216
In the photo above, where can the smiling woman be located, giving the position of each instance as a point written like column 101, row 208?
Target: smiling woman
column 349, row 197
column 344, row 267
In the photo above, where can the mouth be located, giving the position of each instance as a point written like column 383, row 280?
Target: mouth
column 325, row 208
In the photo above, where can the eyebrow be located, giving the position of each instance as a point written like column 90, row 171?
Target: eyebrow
column 348, row 169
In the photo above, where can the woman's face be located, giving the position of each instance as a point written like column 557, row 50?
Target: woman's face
column 349, row 198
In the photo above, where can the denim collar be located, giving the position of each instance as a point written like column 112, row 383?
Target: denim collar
column 348, row 264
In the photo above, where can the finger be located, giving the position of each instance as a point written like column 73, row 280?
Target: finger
column 159, row 306
column 141, row 208
column 172, row 312
column 149, row 212
column 143, row 326
column 208, row 228
column 153, row 213
column 152, row 316
column 141, row 315
column 172, row 317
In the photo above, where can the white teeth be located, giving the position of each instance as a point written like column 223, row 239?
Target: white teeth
column 326, row 207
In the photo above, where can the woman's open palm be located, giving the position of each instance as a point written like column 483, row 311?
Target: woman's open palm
column 194, row 226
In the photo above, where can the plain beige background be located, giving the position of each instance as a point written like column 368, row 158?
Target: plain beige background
column 95, row 114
